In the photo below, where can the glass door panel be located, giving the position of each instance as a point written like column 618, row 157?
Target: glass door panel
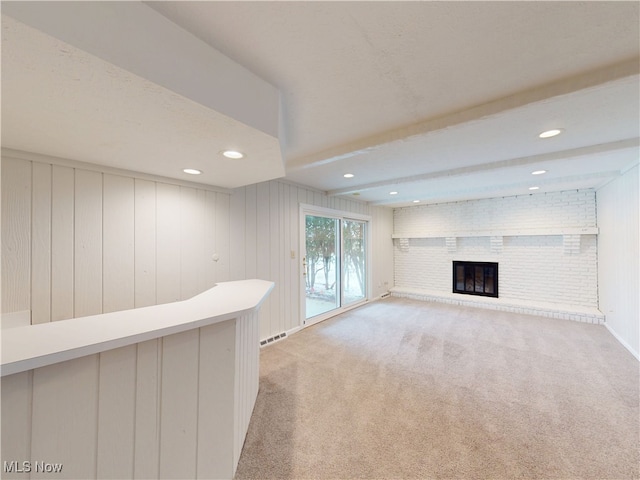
column 354, row 263
column 321, row 264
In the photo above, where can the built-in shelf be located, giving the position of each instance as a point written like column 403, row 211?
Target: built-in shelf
column 518, row 232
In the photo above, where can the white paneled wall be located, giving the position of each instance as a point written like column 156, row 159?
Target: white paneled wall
column 16, row 236
column 382, row 248
column 618, row 257
column 173, row 407
column 265, row 219
column 78, row 241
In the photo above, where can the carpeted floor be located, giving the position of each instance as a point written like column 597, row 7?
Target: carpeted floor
column 401, row 389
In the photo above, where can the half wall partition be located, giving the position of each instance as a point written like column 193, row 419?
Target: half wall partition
column 165, row 391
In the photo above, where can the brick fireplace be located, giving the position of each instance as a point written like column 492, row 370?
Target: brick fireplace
column 545, row 245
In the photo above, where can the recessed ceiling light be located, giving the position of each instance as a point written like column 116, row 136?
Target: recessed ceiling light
column 551, row 133
column 538, row 172
column 348, row 175
column 192, row 171
column 233, row 154
column 393, row 193
column 534, row 188
column 416, row 201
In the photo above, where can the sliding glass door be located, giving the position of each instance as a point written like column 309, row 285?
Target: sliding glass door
column 321, row 265
column 334, row 263
column 354, row 256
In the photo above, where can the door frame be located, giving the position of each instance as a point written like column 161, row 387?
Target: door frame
column 307, row 209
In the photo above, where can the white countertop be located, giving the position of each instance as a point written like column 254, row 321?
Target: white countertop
column 34, row 346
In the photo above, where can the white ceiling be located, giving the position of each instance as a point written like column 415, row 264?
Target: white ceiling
column 439, row 101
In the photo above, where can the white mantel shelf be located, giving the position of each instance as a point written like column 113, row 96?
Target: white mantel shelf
column 33, row 346
column 504, row 233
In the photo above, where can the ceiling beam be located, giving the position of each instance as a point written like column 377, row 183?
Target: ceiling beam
column 566, row 86
column 515, row 162
column 496, row 190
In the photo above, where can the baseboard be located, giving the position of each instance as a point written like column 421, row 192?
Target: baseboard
column 293, row 330
column 622, row 341
column 282, row 335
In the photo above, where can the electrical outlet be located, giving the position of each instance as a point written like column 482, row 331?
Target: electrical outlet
column 293, row 254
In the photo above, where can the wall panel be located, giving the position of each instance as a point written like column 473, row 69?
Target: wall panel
column 209, row 221
column 147, row 409
column 118, row 244
column 618, row 257
column 179, row 433
column 263, row 249
column 223, row 241
column 285, row 270
column 71, row 390
column 116, row 413
column 62, row 242
column 191, row 233
column 382, row 248
column 295, row 264
column 205, row 263
column 88, row 243
column 167, row 243
column 144, row 243
column 41, row 244
column 16, row 235
column 16, row 413
column 216, row 400
column 275, row 259
column 250, row 237
column 237, row 230
column 247, row 361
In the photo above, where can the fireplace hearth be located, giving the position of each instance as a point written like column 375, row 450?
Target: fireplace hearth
column 475, row 278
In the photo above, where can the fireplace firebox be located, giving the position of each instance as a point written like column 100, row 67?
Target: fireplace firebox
column 475, row 278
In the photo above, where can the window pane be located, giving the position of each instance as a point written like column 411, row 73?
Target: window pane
column 354, row 279
column 468, row 278
column 489, row 285
column 479, row 280
column 460, row 277
column 321, row 265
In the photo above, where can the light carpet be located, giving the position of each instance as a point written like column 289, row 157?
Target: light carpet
column 404, row 389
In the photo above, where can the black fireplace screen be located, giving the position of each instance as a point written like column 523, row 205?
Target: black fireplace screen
column 475, row 278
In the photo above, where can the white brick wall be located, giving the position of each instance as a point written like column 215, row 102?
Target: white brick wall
column 574, row 208
column 533, row 269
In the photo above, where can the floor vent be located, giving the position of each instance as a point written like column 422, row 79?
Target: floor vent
column 275, row 338
column 385, row 295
